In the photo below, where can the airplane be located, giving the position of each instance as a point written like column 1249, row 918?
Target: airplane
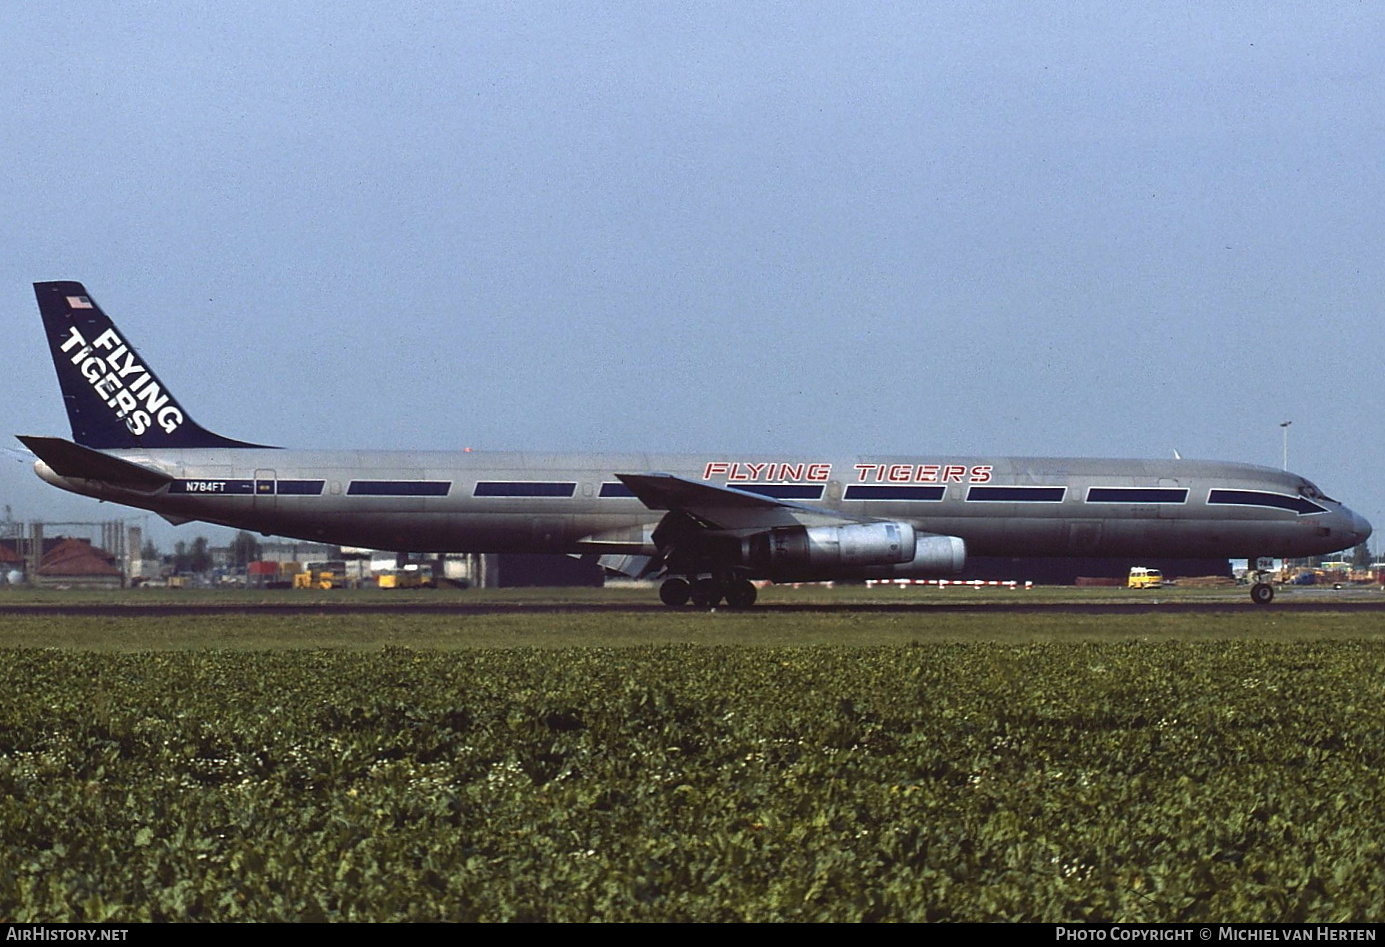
column 707, row 524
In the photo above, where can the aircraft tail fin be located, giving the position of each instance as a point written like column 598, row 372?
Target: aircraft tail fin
column 114, row 400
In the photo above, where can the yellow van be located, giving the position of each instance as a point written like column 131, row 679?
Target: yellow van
column 1142, row 578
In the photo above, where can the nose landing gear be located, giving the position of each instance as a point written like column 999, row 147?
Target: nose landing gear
column 1261, row 592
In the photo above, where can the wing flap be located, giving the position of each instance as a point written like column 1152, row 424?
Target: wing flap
column 723, row 507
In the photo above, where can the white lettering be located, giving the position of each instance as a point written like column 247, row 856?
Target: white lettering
column 1140, row 933
column 74, row 339
column 130, row 366
column 154, row 398
column 108, row 379
column 124, row 403
column 169, row 418
column 106, row 387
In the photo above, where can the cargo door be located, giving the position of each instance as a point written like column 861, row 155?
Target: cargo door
column 266, row 495
column 1084, row 537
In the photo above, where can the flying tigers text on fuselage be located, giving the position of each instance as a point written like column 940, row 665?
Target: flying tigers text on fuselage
column 765, row 472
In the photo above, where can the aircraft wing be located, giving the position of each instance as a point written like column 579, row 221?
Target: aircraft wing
column 73, row 461
column 723, row 508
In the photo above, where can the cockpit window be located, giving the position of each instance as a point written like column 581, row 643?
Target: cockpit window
column 1311, row 492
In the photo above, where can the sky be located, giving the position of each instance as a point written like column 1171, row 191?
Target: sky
column 1079, row 229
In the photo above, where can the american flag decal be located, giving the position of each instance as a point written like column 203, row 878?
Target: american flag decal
column 79, row 302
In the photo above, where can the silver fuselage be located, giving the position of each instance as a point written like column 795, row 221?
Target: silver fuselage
column 572, row 503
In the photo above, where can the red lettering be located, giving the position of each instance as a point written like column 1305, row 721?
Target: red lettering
column 755, row 470
column 899, row 473
column 926, row 473
column 953, row 473
column 714, row 468
column 819, row 473
column 981, row 474
column 735, row 473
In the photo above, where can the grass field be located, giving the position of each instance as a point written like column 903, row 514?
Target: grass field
column 843, row 764
column 763, row 628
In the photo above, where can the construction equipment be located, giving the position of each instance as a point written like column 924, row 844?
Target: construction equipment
column 412, row 575
column 322, row 575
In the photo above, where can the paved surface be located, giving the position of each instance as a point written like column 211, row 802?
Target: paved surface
column 1298, row 604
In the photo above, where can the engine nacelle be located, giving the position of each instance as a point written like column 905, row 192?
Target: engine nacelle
column 858, row 550
column 934, row 555
column 829, row 549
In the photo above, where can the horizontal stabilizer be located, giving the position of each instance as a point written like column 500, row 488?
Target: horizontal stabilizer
column 70, row 460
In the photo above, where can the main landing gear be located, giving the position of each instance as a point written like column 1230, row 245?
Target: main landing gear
column 1261, row 592
column 707, row 592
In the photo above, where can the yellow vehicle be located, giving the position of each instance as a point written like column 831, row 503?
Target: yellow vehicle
column 412, row 576
column 1142, row 578
column 322, row 575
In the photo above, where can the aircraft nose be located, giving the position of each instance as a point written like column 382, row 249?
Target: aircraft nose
column 1361, row 527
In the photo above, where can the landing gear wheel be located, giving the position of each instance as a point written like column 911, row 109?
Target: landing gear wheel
column 740, row 594
column 675, row 592
column 1262, row 593
column 706, row 593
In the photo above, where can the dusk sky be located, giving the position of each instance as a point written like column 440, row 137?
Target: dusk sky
column 1077, row 229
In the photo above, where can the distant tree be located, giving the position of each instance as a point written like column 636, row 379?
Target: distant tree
column 1361, row 556
column 149, row 552
column 244, row 549
column 191, row 559
column 201, row 558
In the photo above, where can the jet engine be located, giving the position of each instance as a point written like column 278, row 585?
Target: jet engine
column 793, row 549
column 858, row 549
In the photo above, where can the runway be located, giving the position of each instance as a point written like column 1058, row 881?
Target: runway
column 1295, row 606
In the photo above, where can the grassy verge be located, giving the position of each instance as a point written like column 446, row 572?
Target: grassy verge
column 617, row 629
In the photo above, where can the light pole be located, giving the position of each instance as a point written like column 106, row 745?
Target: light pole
column 1284, row 426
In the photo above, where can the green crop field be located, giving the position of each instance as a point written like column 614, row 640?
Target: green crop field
column 772, row 765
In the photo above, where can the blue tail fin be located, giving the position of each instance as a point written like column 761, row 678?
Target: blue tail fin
column 113, row 398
